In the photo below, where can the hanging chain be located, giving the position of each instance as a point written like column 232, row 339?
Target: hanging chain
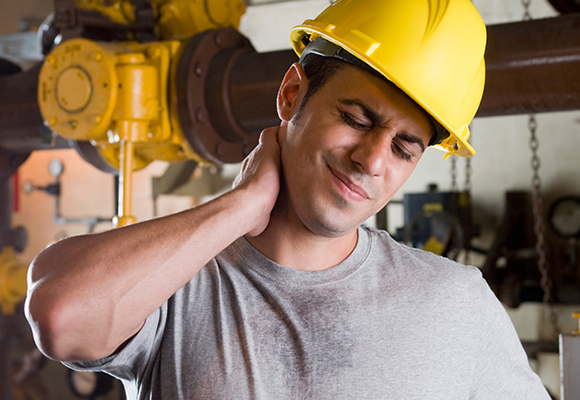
column 545, row 281
column 539, row 229
column 527, row 14
column 454, row 174
column 468, row 172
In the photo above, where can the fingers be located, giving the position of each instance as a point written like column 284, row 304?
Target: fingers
column 262, row 157
column 269, row 134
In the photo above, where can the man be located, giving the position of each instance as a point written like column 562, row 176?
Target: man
column 273, row 291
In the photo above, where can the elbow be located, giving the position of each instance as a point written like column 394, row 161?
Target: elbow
column 66, row 321
column 47, row 327
column 41, row 311
column 43, row 330
column 57, row 331
column 59, row 334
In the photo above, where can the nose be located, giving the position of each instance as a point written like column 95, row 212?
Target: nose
column 372, row 154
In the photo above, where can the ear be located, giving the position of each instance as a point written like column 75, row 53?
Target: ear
column 291, row 92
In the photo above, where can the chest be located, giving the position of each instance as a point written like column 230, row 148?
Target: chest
column 247, row 340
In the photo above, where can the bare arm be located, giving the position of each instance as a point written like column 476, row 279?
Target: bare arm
column 89, row 294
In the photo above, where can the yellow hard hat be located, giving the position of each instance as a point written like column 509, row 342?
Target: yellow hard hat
column 433, row 50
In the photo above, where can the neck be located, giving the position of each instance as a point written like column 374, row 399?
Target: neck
column 288, row 242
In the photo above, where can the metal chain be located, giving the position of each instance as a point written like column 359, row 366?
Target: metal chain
column 539, row 229
column 468, row 172
column 527, row 14
column 454, row 174
column 467, row 189
column 545, row 281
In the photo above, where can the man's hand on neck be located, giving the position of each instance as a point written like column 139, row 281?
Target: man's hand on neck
column 260, row 176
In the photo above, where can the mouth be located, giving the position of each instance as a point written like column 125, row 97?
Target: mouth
column 348, row 187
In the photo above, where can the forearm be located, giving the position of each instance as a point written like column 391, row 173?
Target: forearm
column 88, row 294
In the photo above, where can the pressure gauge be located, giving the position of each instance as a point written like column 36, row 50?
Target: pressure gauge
column 564, row 216
column 56, row 168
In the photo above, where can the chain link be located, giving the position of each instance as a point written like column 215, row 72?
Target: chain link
column 539, row 229
column 527, row 15
column 468, row 172
column 454, row 174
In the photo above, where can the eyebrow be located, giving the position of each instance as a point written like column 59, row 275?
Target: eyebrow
column 377, row 120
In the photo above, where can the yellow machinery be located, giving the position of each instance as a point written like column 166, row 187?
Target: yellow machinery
column 121, row 96
column 12, row 280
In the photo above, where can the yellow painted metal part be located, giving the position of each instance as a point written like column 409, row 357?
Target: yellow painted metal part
column 77, row 89
column 12, row 280
column 576, row 315
column 120, row 96
column 176, row 19
column 180, row 19
column 116, row 96
column 119, row 11
column 434, row 246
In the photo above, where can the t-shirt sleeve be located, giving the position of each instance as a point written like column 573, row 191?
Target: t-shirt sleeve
column 138, row 355
column 503, row 370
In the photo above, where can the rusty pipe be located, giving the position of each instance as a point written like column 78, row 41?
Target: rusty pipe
column 259, row 85
column 21, row 123
column 532, row 67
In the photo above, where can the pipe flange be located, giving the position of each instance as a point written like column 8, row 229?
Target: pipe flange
column 202, row 95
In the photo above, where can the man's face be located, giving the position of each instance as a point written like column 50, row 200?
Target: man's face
column 354, row 144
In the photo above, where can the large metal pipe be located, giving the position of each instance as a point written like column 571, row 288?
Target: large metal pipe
column 532, row 66
column 261, row 86
column 21, row 124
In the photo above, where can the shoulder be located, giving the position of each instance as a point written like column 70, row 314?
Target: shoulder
column 421, row 268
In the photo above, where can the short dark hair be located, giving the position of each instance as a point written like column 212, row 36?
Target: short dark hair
column 318, row 70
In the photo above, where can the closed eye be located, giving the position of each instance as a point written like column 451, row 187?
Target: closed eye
column 353, row 123
column 401, row 152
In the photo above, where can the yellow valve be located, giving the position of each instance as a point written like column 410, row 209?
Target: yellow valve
column 12, row 280
column 118, row 95
column 108, row 92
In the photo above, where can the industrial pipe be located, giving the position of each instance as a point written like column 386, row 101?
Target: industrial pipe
column 21, row 124
column 532, row 67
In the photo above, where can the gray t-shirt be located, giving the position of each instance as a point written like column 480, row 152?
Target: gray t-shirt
column 389, row 322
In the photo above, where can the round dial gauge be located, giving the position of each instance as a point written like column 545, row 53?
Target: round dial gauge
column 564, row 217
column 56, row 168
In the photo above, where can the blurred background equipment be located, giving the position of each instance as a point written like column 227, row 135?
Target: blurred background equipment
column 128, row 83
